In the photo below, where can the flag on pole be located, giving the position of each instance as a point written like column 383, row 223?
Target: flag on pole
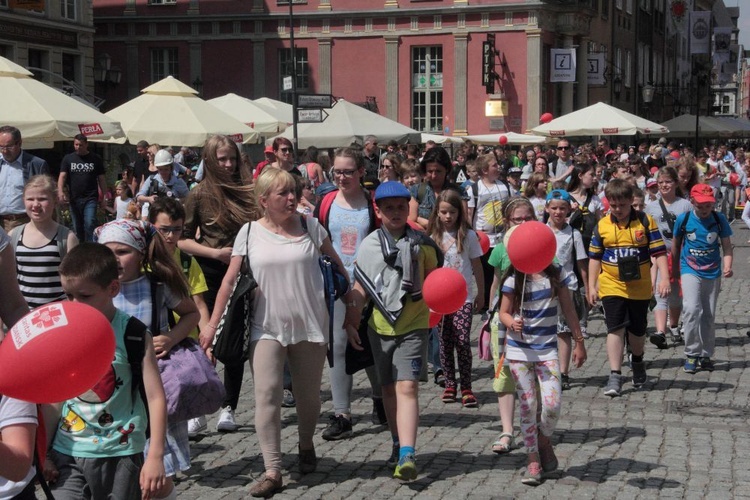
column 700, row 31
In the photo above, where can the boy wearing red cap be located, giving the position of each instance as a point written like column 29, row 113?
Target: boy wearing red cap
column 700, row 237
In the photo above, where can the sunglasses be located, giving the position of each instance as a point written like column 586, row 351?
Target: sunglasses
column 284, row 150
column 563, row 148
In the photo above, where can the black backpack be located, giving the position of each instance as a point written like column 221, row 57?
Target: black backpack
column 583, row 220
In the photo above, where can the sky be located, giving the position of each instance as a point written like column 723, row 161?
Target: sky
column 744, row 20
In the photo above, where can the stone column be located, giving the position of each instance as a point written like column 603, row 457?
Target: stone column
column 582, row 76
column 567, row 87
column 196, row 64
column 259, row 69
column 324, row 65
column 131, row 56
column 460, row 52
column 533, row 77
column 391, row 77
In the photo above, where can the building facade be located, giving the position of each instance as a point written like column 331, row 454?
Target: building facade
column 54, row 39
column 437, row 66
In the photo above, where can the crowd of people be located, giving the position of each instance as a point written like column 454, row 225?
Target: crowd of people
column 637, row 228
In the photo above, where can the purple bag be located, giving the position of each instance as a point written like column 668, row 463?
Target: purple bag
column 485, row 336
column 191, row 384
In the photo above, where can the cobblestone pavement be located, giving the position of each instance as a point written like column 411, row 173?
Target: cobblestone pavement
column 681, row 436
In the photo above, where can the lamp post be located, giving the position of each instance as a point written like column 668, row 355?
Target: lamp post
column 647, row 94
column 617, row 86
column 105, row 73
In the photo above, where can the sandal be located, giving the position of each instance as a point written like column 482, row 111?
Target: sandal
column 533, row 476
column 266, row 487
column 468, row 399
column 449, row 395
column 501, row 448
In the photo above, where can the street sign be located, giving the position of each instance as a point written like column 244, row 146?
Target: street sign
column 315, row 101
column 311, row 115
column 287, row 83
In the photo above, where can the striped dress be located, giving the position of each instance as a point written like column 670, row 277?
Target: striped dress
column 38, row 273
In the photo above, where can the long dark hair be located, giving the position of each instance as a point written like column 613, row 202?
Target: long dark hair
column 435, row 228
column 575, row 178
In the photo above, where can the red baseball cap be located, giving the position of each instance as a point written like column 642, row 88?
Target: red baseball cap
column 702, row 193
column 269, row 149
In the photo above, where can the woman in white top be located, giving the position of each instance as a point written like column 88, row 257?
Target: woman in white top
column 486, row 198
column 290, row 318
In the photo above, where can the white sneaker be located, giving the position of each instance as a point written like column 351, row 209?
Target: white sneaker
column 196, row 426
column 226, row 421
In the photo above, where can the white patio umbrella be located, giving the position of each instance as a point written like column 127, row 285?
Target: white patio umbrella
column 278, row 109
column 512, row 137
column 347, row 123
column 170, row 112
column 441, row 139
column 44, row 114
column 249, row 113
column 599, row 119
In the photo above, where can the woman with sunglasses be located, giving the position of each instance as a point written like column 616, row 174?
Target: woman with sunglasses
column 665, row 211
column 284, row 154
column 390, row 168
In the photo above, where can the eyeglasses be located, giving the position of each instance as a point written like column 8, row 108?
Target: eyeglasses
column 344, row 173
column 519, row 220
column 165, row 230
column 665, row 183
column 285, row 150
column 387, row 165
column 563, row 148
column 9, row 146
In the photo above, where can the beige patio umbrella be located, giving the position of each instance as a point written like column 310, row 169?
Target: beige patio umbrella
column 599, row 119
column 512, row 138
column 249, row 113
column 347, row 123
column 44, row 114
column 441, row 139
column 281, row 110
column 684, row 126
column 170, row 112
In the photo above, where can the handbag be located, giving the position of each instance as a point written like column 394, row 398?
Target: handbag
column 485, row 338
column 232, row 340
column 359, row 360
column 191, row 385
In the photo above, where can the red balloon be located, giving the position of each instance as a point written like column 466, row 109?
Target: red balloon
column 503, row 140
column 444, row 290
column 531, row 247
column 734, row 179
column 435, row 319
column 484, row 241
column 56, row 352
column 546, row 118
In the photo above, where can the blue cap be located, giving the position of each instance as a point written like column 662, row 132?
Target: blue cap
column 559, row 194
column 392, row 189
column 325, row 188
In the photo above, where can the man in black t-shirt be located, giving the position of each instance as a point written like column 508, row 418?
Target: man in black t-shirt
column 140, row 166
column 83, row 173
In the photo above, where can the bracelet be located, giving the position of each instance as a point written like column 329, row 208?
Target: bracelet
column 579, row 339
column 212, row 326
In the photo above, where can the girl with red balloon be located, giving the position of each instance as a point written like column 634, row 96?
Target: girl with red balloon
column 449, row 228
column 532, row 289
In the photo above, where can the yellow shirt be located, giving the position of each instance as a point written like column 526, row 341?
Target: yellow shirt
column 612, row 240
column 196, row 283
column 415, row 315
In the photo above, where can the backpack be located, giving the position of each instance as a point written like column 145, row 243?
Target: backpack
column 61, row 237
column 585, row 221
column 475, row 192
column 685, row 221
column 323, row 210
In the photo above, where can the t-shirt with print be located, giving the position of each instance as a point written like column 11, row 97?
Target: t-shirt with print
column 108, row 420
column 538, row 339
column 488, row 209
column 348, row 227
column 677, row 207
column 701, row 244
column 613, row 240
column 16, row 412
column 461, row 262
column 83, row 174
column 568, row 238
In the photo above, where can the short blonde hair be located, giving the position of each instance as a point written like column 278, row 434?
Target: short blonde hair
column 43, row 182
column 272, row 178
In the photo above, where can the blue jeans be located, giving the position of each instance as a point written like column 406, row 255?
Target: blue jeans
column 433, row 349
column 83, row 214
